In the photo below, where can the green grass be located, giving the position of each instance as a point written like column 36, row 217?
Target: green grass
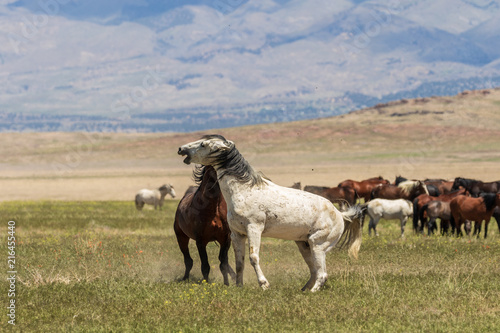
column 103, row 266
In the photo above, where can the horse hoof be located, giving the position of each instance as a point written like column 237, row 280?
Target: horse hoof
column 264, row 285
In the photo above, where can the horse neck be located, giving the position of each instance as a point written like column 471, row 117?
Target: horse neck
column 209, row 186
column 231, row 187
column 412, row 194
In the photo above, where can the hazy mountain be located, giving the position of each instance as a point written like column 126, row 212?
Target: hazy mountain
column 134, row 62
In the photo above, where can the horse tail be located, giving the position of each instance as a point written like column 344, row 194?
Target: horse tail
column 356, row 195
column 423, row 210
column 415, row 215
column 352, row 229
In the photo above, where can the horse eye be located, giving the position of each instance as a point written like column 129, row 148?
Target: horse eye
column 202, row 145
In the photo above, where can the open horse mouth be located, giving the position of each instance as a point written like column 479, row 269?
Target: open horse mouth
column 184, row 152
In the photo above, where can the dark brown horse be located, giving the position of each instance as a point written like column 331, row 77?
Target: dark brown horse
column 423, row 199
column 475, row 187
column 474, row 209
column 438, row 209
column 338, row 195
column 202, row 216
column 364, row 188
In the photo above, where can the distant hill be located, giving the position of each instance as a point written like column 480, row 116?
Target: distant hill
column 192, row 65
column 436, row 137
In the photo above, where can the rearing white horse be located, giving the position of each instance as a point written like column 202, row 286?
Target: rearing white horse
column 259, row 208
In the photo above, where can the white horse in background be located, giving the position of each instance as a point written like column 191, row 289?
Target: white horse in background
column 399, row 209
column 259, row 208
column 153, row 197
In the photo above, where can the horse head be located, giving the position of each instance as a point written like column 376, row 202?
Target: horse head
column 167, row 189
column 205, row 151
column 459, row 181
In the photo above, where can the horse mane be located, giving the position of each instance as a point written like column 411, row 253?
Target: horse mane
column 469, row 182
column 232, row 163
column 198, row 173
column 164, row 187
column 400, row 179
column 409, row 185
column 488, row 200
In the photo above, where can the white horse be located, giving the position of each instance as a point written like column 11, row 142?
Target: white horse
column 153, row 197
column 399, row 209
column 259, row 208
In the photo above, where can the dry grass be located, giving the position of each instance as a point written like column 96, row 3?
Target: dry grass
column 440, row 137
column 102, row 267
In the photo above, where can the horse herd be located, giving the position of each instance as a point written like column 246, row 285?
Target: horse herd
column 232, row 204
column 456, row 203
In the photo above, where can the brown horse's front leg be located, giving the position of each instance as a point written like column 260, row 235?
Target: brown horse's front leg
column 205, row 266
column 183, row 242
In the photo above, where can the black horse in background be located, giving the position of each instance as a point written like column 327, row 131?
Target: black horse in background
column 475, row 187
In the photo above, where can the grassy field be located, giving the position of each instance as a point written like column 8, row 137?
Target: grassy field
column 93, row 266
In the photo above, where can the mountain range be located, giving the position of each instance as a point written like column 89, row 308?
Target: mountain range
column 143, row 65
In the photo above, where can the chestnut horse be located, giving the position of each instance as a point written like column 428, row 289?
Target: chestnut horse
column 202, row 216
column 364, row 188
column 339, row 195
column 474, row 209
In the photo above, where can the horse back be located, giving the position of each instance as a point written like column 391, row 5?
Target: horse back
column 470, row 208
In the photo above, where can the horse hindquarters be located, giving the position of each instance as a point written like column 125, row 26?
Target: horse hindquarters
column 139, row 203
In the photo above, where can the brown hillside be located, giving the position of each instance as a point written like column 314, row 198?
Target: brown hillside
column 437, row 137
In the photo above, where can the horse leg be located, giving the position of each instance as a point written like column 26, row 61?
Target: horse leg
column 445, row 225
column 183, row 242
column 319, row 262
column 238, row 241
column 467, row 227
column 305, row 250
column 224, row 266
column 254, row 233
column 403, row 224
column 430, row 226
column 371, row 226
column 375, row 222
column 477, row 228
column 486, row 228
column 202, row 251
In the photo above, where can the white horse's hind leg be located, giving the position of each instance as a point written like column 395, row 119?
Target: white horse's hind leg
column 239, row 255
column 403, row 223
column 319, row 262
column 373, row 225
column 254, row 234
column 305, row 250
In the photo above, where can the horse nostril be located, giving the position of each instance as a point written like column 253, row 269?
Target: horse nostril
column 179, row 151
